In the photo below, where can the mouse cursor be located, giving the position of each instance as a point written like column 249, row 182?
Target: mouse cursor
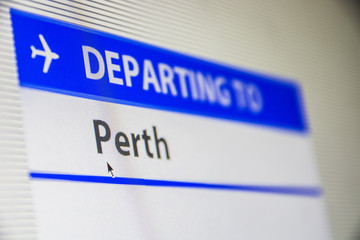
column 110, row 169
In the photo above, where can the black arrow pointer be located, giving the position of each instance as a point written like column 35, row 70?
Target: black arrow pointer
column 110, row 169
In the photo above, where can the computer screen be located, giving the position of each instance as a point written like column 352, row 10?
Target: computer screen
column 130, row 127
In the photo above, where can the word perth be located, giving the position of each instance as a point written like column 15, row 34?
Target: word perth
column 127, row 145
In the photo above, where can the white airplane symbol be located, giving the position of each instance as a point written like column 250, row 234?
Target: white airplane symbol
column 47, row 53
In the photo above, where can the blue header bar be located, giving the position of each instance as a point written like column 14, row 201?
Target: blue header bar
column 64, row 58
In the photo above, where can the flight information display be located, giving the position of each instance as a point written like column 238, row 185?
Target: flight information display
column 131, row 141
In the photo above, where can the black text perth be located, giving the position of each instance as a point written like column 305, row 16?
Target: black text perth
column 127, row 145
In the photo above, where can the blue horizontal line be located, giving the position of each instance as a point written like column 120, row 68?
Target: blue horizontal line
column 304, row 191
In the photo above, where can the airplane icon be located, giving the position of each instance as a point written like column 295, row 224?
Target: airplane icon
column 47, row 53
